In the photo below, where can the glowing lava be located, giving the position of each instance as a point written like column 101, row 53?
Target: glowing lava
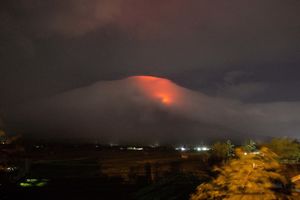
column 158, row 89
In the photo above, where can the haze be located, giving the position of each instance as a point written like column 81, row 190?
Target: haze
column 147, row 71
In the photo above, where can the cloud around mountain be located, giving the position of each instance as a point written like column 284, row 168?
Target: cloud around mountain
column 149, row 109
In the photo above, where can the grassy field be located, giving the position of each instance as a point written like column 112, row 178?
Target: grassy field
column 110, row 174
column 113, row 163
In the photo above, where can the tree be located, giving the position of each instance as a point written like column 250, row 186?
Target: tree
column 230, row 148
column 5, row 139
column 285, row 148
column 250, row 146
column 220, row 152
column 249, row 176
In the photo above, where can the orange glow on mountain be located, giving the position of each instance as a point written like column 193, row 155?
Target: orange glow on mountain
column 165, row 100
column 158, row 89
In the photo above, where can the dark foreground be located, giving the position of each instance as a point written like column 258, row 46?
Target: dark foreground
column 84, row 173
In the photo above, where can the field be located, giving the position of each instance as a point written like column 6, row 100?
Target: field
column 108, row 173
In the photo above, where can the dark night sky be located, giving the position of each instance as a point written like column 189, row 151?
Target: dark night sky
column 246, row 51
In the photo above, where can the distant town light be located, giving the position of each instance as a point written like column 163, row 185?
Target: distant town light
column 154, row 145
column 181, row 148
column 135, row 148
column 197, row 148
column 201, row 148
column 10, row 169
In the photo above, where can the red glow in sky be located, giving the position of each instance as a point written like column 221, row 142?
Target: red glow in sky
column 159, row 89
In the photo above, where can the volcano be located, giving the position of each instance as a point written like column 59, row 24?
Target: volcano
column 150, row 109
